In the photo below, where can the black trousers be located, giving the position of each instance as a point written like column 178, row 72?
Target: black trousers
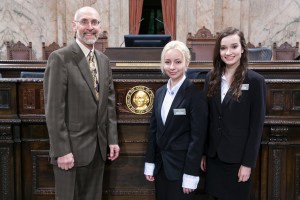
column 170, row 190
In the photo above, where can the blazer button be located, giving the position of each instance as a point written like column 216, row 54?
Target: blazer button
column 220, row 117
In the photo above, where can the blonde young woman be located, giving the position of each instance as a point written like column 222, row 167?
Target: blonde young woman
column 177, row 129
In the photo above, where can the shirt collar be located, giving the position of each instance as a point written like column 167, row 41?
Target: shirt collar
column 223, row 77
column 84, row 49
column 175, row 89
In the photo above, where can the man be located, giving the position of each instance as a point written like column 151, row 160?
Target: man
column 80, row 112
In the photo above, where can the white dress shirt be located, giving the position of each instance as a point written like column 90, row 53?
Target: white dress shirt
column 224, row 87
column 86, row 52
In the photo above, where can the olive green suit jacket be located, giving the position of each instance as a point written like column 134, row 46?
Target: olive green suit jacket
column 76, row 121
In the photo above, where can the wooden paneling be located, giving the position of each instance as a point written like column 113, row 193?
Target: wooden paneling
column 24, row 166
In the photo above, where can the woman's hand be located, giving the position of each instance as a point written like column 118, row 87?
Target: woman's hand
column 203, row 163
column 244, row 173
column 187, row 190
column 149, row 178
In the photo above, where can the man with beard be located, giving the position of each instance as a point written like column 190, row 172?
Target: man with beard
column 80, row 112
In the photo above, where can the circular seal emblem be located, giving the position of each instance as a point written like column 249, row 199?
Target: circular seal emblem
column 139, row 99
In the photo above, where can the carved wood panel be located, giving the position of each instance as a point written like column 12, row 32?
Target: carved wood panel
column 31, row 99
column 283, row 98
column 5, row 174
column 8, row 100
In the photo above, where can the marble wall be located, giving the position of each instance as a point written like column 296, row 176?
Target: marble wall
column 37, row 21
column 264, row 21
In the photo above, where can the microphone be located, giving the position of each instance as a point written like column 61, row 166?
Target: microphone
column 133, row 28
column 159, row 20
column 167, row 31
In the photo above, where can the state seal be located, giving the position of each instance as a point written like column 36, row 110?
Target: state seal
column 139, row 99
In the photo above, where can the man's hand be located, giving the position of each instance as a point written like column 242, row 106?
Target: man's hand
column 66, row 162
column 114, row 151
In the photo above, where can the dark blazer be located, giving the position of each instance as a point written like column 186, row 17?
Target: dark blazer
column 235, row 128
column 76, row 121
column 178, row 145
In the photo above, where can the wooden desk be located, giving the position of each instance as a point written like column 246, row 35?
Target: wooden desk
column 26, row 173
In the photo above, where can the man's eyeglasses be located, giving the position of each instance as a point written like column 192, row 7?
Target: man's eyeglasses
column 86, row 22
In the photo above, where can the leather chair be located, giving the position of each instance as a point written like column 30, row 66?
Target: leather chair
column 250, row 45
column 261, row 54
column 196, row 73
column 32, row 75
column 47, row 50
column 19, row 51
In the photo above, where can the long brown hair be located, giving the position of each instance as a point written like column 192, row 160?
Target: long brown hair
column 219, row 66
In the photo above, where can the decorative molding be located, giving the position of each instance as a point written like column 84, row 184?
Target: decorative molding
column 295, row 100
column 5, row 98
column 279, row 134
column 35, row 165
column 4, row 174
column 35, row 119
column 283, row 81
column 139, row 192
column 284, row 122
column 29, row 99
column 10, row 121
column 42, row 101
column 5, row 132
column 134, row 121
column 276, row 177
column 297, row 177
column 278, row 99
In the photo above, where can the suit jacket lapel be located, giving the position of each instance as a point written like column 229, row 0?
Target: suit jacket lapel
column 83, row 66
column 217, row 99
column 229, row 94
column 100, row 64
column 160, row 100
column 227, row 97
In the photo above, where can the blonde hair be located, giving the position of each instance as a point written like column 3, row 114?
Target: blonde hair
column 180, row 46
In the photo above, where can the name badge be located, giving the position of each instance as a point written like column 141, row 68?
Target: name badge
column 245, row 87
column 180, row 111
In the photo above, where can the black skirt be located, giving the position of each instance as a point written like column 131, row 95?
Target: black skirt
column 221, row 180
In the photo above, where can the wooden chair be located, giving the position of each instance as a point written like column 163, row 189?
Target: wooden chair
column 19, row 51
column 202, row 44
column 47, row 50
column 285, row 51
column 250, row 45
column 101, row 43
